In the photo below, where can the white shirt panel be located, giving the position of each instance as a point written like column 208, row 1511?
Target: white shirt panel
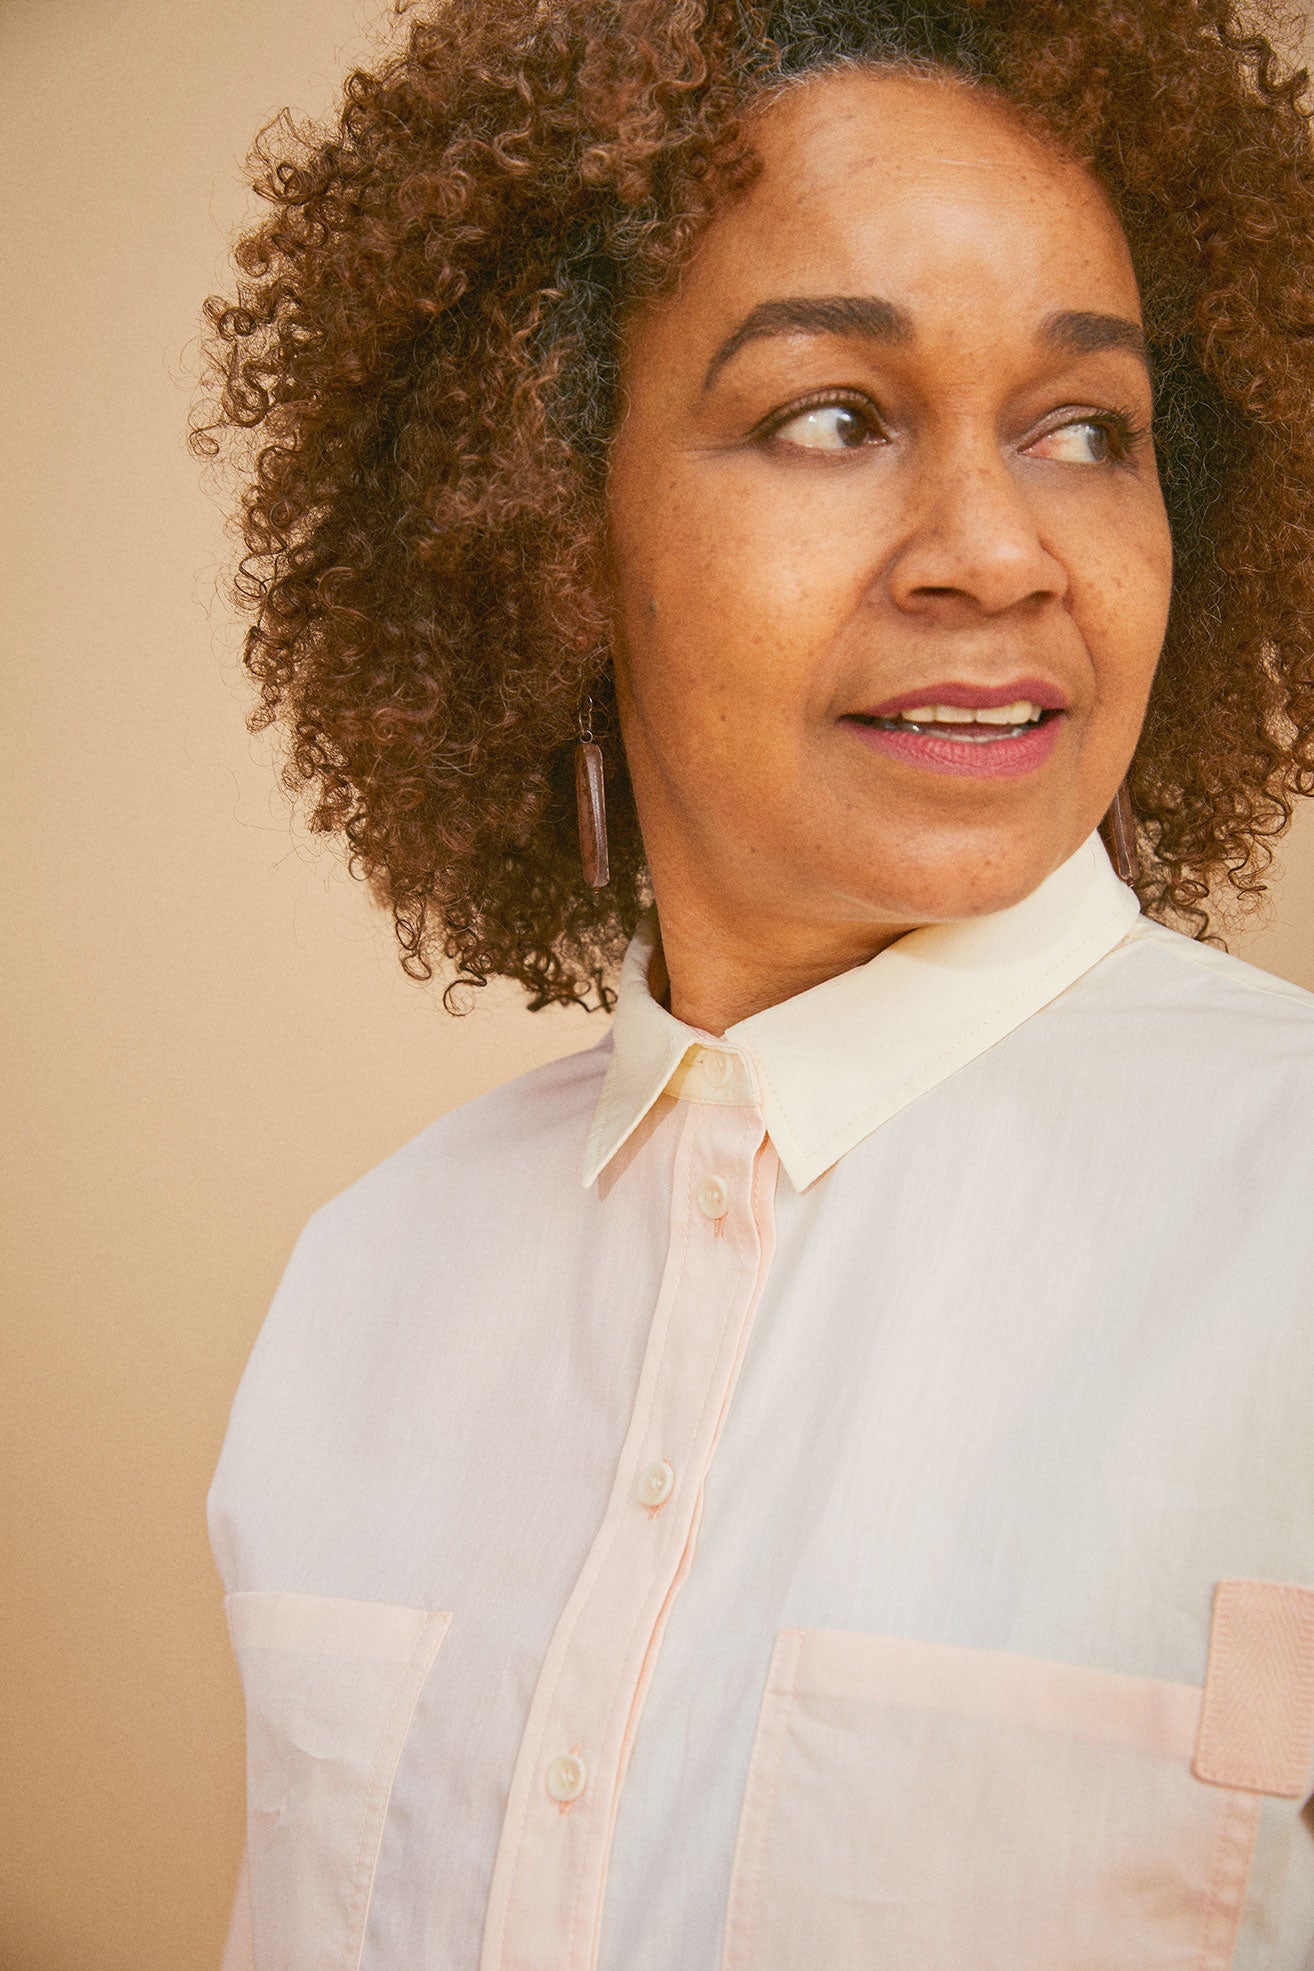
column 989, row 1404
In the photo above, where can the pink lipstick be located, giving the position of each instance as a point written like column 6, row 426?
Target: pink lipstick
column 985, row 731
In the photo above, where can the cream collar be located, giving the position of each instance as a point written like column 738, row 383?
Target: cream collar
column 835, row 1062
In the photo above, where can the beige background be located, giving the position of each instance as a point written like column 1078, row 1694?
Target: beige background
column 208, row 1031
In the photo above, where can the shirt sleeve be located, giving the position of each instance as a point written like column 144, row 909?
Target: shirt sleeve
column 238, row 1951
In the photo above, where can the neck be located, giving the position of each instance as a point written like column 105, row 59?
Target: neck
column 717, row 971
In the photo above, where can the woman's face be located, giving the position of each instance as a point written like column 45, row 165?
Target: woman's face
column 885, row 449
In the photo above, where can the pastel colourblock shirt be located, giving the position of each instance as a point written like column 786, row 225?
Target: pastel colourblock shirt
column 834, row 1497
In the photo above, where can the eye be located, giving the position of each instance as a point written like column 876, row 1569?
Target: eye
column 835, row 425
column 1086, row 441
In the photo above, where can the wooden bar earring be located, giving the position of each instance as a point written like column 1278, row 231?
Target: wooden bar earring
column 591, row 804
column 1118, row 830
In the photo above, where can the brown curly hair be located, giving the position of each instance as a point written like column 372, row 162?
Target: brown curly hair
column 419, row 373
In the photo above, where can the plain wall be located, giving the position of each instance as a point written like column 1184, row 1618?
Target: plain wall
column 206, row 1030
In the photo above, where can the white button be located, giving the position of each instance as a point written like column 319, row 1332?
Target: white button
column 567, row 1777
column 654, row 1486
column 713, row 1198
column 718, row 1067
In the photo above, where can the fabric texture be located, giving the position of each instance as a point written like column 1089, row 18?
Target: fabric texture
column 836, row 1493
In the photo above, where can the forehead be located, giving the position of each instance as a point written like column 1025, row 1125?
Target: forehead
column 918, row 188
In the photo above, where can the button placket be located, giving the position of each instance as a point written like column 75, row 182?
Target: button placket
column 545, row 1901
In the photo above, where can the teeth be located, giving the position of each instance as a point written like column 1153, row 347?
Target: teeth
column 1021, row 713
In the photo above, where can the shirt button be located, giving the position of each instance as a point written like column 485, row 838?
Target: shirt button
column 713, row 1198
column 717, row 1067
column 567, row 1777
column 654, row 1486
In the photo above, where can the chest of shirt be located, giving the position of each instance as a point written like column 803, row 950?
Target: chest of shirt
column 909, row 1431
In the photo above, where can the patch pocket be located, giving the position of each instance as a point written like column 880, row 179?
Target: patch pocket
column 330, row 1689
column 929, row 1808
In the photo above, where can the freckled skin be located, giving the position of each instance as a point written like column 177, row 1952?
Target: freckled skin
column 766, row 587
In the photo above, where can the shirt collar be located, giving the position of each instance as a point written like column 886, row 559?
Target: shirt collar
column 834, row 1062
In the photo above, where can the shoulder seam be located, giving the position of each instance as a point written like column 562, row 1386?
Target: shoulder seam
column 1204, row 956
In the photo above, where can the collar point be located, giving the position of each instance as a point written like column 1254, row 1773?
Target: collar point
column 803, row 1170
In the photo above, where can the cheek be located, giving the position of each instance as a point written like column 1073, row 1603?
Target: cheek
column 1120, row 564
column 731, row 599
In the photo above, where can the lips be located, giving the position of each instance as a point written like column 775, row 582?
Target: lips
column 1008, row 752
column 983, row 731
column 1038, row 691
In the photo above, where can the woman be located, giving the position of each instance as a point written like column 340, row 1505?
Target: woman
column 823, row 1477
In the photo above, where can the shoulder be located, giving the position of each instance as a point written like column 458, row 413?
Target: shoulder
column 542, row 1109
column 1174, row 1083
column 419, row 1256
column 1192, row 1019
column 1218, row 996
column 451, row 1213
column 1220, row 979
column 538, row 1122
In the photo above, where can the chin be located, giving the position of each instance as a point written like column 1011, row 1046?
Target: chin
column 961, row 881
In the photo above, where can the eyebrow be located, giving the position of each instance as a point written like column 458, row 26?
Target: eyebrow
column 864, row 315
column 1070, row 331
column 1081, row 332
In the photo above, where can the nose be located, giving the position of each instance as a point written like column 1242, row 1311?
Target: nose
column 972, row 547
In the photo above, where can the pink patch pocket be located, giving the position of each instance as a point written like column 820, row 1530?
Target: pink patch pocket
column 330, row 1689
column 923, row 1807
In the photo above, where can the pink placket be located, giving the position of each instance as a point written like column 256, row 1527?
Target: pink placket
column 545, row 1903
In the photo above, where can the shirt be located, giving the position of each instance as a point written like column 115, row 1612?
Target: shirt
column 836, row 1495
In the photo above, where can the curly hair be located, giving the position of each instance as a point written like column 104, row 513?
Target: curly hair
column 419, row 375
